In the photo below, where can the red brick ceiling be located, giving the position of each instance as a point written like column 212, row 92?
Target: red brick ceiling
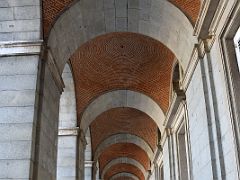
column 123, row 120
column 122, row 61
column 124, row 150
column 190, row 8
column 123, row 168
column 52, row 9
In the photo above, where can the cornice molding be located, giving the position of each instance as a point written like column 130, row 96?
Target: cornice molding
column 209, row 15
column 68, row 132
column 20, row 48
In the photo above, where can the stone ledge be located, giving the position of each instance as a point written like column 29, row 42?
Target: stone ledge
column 17, row 48
column 68, row 132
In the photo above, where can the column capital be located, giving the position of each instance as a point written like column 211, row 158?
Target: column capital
column 208, row 42
column 205, row 45
column 169, row 131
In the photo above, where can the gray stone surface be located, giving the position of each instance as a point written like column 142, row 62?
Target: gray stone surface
column 124, row 160
column 224, row 116
column 20, row 20
column 158, row 19
column 166, row 161
column 124, row 138
column 17, row 106
column 67, row 144
column 88, row 157
column 198, row 127
column 124, row 174
column 122, row 98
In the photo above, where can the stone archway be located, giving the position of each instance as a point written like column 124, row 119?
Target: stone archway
column 124, row 174
column 122, row 98
column 168, row 25
column 127, row 161
column 123, row 138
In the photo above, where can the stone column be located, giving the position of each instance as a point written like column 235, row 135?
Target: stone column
column 18, row 107
column 30, row 88
column 88, row 163
column 81, row 151
column 172, row 154
column 96, row 166
column 68, row 130
column 67, row 154
column 88, row 170
column 50, row 89
column 29, row 99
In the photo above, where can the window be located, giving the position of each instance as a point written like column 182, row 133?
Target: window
column 237, row 47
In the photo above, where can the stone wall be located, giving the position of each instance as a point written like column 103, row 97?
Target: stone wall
column 20, row 20
column 198, row 128
column 18, row 79
column 166, row 162
column 225, row 125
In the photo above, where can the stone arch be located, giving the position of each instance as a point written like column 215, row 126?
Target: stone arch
column 124, row 174
column 122, row 98
column 125, row 160
column 124, row 120
column 124, row 138
column 159, row 19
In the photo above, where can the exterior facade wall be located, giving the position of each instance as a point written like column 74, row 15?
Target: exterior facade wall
column 221, row 104
column 198, row 128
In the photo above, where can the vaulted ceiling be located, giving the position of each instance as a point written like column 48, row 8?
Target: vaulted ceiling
column 124, row 120
column 52, row 9
column 117, row 61
column 124, row 168
column 123, row 61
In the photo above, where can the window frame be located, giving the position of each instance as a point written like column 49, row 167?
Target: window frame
column 228, row 46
